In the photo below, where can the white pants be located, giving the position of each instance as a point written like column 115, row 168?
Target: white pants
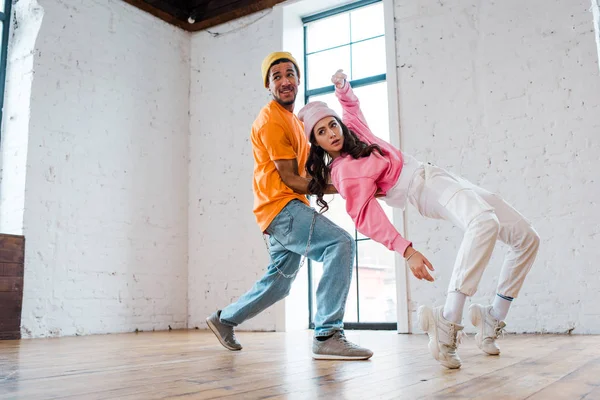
column 484, row 217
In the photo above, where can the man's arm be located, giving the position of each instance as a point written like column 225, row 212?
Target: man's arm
column 288, row 171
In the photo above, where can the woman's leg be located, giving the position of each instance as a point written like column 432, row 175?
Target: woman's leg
column 440, row 195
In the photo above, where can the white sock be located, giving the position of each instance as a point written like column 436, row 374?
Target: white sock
column 500, row 307
column 453, row 309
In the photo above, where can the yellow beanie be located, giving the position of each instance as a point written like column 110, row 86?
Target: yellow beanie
column 271, row 58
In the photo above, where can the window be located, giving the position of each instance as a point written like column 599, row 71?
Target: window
column 352, row 38
column 5, row 6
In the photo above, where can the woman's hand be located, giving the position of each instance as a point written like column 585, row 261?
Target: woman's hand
column 418, row 264
column 339, row 79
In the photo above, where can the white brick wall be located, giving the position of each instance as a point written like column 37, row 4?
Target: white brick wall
column 15, row 121
column 596, row 13
column 506, row 93
column 107, row 166
column 503, row 93
column 226, row 250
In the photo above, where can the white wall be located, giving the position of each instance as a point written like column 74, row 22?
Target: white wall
column 506, row 94
column 596, row 13
column 107, row 166
column 226, row 251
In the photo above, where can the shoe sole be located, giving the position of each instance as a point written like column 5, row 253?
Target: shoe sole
column 475, row 314
column 426, row 318
column 334, row 357
column 214, row 330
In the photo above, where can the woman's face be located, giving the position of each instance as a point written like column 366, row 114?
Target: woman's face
column 328, row 135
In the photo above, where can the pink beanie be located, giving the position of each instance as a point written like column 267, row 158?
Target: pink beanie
column 312, row 113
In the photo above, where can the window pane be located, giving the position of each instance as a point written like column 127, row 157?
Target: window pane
column 374, row 105
column 321, row 66
column 327, row 33
column 368, row 58
column 377, row 283
column 351, row 313
column 331, row 101
column 336, row 212
column 367, row 22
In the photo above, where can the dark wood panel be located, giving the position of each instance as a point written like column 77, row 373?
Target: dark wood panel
column 206, row 13
column 207, row 5
column 10, row 312
column 10, row 324
column 11, row 269
column 11, row 284
column 10, row 335
column 165, row 16
column 12, row 249
column 234, row 11
column 6, row 297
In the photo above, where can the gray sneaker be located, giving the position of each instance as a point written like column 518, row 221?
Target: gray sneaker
column 223, row 332
column 338, row 347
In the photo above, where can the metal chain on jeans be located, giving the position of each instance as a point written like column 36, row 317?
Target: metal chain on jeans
column 280, row 272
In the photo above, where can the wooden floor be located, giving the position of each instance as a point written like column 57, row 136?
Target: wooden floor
column 193, row 365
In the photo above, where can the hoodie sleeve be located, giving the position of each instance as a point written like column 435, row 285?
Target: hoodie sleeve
column 368, row 215
column 352, row 114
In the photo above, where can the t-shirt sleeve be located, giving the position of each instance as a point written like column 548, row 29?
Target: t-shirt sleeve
column 276, row 142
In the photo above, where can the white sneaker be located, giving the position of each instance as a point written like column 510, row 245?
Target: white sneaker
column 444, row 336
column 488, row 328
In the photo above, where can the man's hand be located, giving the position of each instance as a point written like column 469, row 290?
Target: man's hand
column 288, row 171
column 339, row 79
column 418, row 264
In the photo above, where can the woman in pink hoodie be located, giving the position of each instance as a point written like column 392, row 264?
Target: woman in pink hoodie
column 364, row 167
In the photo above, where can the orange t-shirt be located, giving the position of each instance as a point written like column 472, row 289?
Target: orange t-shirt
column 277, row 134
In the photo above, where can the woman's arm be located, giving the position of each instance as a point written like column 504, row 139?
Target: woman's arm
column 368, row 215
column 352, row 116
column 371, row 221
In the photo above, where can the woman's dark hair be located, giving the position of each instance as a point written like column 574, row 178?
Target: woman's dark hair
column 317, row 165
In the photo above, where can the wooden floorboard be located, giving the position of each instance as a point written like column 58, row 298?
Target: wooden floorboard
column 193, row 365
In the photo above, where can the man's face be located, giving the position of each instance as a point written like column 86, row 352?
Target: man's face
column 283, row 83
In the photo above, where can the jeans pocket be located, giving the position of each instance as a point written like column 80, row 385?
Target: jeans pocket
column 281, row 225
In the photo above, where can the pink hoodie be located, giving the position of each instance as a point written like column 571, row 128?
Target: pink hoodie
column 357, row 180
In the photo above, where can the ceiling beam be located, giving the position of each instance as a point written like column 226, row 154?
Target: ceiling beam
column 142, row 5
column 231, row 13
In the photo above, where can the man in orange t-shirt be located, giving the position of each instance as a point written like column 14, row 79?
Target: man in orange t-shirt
column 282, row 211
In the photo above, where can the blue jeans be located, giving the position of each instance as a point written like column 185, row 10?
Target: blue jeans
column 288, row 236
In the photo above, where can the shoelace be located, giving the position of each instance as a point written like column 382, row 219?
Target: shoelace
column 456, row 337
column 499, row 330
column 232, row 335
column 347, row 343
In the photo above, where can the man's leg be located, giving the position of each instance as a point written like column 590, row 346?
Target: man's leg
column 272, row 287
column 334, row 247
